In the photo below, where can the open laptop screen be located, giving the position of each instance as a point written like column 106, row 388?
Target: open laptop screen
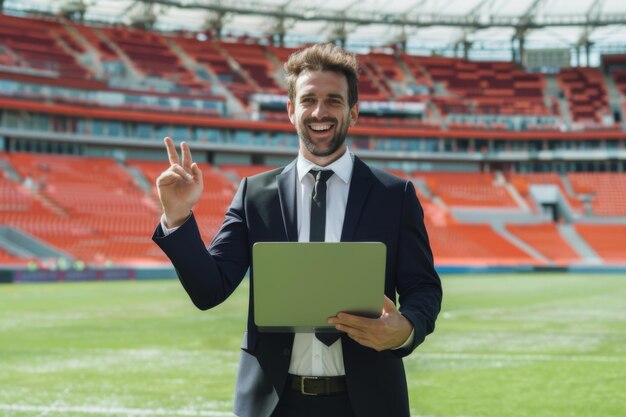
column 299, row 285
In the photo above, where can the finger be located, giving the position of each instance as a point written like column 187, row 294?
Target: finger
column 168, row 177
column 353, row 332
column 172, row 155
column 350, row 320
column 182, row 172
column 197, row 173
column 186, row 153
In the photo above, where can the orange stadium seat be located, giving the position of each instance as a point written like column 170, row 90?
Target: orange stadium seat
column 212, row 56
column 522, row 183
column 468, row 244
column 608, row 191
column 606, row 240
column 546, row 239
column 586, row 92
column 39, row 44
column 83, row 206
column 461, row 189
column 254, row 61
column 242, row 171
column 152, row 56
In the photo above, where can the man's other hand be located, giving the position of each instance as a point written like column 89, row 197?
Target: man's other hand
column 390, row 331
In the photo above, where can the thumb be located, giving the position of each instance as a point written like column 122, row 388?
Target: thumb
column 197, row 173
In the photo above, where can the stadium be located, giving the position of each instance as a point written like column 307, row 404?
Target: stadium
column 510, row 120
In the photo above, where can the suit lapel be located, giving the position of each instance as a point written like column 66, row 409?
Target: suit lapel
column 360, row 185
column 287, row 181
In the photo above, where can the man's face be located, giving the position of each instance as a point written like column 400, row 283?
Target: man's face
column 321, row 115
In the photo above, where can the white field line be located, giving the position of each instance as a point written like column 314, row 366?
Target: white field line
column 112, row 411
column 515, row 358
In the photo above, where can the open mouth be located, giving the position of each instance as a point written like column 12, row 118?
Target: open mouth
column 320, row 127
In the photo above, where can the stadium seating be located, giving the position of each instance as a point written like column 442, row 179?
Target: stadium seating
column 462, row 190
column 43, row 45
column 606, row 240
column 385, row 69
column 95, row 210
column 242, row 171
column 468, row 244
column 483, row 87
column 87, row 207
column 211, row 55
column 522, row 183
column 607, row 191
column 584, row 88
column 253, row 60
column 98, row 42
column 546, row 239
column 97, row 218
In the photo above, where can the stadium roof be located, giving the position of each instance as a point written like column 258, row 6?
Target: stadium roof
column 425, row 26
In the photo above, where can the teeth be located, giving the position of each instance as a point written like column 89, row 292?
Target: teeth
column 320, row 127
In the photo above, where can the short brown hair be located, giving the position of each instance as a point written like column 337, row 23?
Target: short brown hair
column 323, row 57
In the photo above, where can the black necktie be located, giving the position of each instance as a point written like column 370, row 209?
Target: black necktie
column 318, row 227
column 318, row 205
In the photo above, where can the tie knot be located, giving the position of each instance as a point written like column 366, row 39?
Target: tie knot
column 321, row 175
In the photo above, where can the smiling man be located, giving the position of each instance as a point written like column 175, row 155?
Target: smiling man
column 358, row 372
column 322, row 111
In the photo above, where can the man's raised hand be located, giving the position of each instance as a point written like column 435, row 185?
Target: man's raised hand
column 179, row 186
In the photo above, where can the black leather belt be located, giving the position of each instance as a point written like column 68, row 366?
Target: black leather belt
column 318, row 385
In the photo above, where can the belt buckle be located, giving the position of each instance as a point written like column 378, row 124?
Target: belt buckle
column 302, row 381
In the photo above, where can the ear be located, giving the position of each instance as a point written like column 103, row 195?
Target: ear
column 354, row 114
column 291, row 112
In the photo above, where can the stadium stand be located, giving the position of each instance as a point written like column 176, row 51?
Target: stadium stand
column 150, row 54
column 586, row 93
column 86, row 207
column 212, row 57
column 546, row 239
column 468, row 244
column 523, row 182
column 607, row 191
column 255, row 63
column 242, row 171
column 41, row 46
column 461, row 189
column 605, row 239
column 485, row 136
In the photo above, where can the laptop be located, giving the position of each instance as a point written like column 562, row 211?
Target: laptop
column 299, row 285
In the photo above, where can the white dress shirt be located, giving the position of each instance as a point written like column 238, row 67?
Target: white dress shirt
column 310, row 356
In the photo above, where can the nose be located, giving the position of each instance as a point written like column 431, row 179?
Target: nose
column 320, row 110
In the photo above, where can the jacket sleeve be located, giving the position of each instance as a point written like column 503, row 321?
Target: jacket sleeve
column 210, row 275
column 418, row 284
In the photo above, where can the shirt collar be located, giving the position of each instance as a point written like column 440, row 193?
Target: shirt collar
column 342, row 167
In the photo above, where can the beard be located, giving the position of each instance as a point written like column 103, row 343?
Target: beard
column 338, row 139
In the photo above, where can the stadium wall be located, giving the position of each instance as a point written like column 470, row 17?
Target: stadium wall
column 20, row 276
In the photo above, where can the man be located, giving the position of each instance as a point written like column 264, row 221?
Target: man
column 361, row 374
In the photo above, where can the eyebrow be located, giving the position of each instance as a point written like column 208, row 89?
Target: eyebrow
column 331, row 95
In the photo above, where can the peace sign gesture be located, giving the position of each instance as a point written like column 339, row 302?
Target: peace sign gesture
column 179, row 186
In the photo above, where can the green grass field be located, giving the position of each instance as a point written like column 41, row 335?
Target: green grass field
column 541, row 345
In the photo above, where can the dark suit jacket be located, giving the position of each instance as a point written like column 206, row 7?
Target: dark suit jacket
column 380, row 207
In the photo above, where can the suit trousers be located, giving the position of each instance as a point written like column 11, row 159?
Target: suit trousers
column 295, row 404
